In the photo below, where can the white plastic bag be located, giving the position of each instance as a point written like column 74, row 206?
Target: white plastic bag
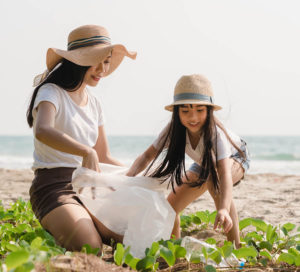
column 192, row 244
column 135, row 207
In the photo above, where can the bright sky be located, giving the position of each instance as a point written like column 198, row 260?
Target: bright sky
column 250, row 50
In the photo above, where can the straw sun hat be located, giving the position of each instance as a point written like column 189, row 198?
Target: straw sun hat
column 88, row 45
column 193, row 89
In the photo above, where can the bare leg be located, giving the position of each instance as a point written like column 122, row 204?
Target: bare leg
column 186, row 194
column 183, row 197
column 72, row 227
column 106, row 234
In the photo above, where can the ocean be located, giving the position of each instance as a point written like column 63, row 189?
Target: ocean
column 269, row 154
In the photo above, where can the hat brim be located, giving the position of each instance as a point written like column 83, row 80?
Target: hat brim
column 90, row 56
column 182, row 102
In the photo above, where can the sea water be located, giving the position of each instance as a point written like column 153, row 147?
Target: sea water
column 269, row 154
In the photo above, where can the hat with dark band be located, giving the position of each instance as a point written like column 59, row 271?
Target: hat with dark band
column 193, row 89
column 88, row 45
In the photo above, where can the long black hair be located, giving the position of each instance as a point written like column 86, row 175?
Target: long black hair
column 172, row 167
column 68, row 75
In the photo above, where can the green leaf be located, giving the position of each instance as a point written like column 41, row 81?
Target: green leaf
column 180, row 252
column 255, row 235
column 209, row 268
column 289, row 226
column 203, row 216
column 11, row 247
column 227, row 250
column 168, row 255
column 196, row 220
column 265, row 253
column 128, row 258
column 145, row 263
column 271, row 233
column 153, row 250
column 298, row 247
column 195, row 257
column 211, row 241
column 286, row 258
column 264, row 262
column 171, row 247
column 215, row 256
column 16, row 258
column 245, row 252
column 36, row 243
column 294, row 252
column 265, row 244
column 27, row 267
column 212, row 217
column 119, row 254
column 133, row 262
column 205, row 254
column 297, row 261
column 259, row 224
column 23, row 227
column 185, row 221
column 245, row 223
column 89, row 250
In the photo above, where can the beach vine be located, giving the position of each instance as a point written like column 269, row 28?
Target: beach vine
column 25, row 246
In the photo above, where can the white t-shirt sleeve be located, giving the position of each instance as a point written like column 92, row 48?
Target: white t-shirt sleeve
column 49, row 93
column 223, row 146
column 161, row 138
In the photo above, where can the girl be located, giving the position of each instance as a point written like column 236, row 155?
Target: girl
column 68, row 128
column 220, row 157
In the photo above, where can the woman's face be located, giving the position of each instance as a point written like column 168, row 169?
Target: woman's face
column 193, row 117
column 94, row 73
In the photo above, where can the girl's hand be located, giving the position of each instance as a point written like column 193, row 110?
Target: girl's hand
column 90, row 160
column 223, row 219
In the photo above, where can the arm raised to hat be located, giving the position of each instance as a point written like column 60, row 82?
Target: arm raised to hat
column 47, row 134
column 142, row 161
column 102, row 148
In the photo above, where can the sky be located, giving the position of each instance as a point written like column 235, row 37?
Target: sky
column 249, row 50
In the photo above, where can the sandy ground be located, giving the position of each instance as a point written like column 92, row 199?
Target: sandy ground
column 273, row 198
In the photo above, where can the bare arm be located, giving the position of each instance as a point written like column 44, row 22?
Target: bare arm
column 223, row 217
column 142, row 161
column 47, row 134
column 102, row 148
column 224, row 171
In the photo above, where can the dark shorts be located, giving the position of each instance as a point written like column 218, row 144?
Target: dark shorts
column 245, row 162
column 50, row 189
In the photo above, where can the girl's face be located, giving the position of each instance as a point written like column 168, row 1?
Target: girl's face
column 94, row 73
column 193, row 117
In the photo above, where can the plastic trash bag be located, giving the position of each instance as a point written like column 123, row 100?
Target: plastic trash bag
column 134, row 207
column 192, row 244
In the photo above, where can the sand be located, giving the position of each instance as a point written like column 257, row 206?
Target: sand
column 271, row 197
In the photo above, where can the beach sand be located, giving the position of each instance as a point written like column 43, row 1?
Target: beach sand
column 271, row 197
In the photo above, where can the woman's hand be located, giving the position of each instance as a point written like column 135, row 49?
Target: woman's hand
column 131, row 172
column 90, row 160
column 223, row 219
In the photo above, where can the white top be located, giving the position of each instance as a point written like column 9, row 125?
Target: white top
column 79, row 122
column 224, row 148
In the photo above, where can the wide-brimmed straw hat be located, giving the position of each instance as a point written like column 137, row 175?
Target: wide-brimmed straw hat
column 88, row 45
column 193, row 89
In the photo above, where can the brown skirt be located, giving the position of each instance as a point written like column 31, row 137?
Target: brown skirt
column 50, row 189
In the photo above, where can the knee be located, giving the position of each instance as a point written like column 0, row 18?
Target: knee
column 78, row 241
column 83, row 233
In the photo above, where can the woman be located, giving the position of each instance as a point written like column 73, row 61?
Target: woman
column 68, row 128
